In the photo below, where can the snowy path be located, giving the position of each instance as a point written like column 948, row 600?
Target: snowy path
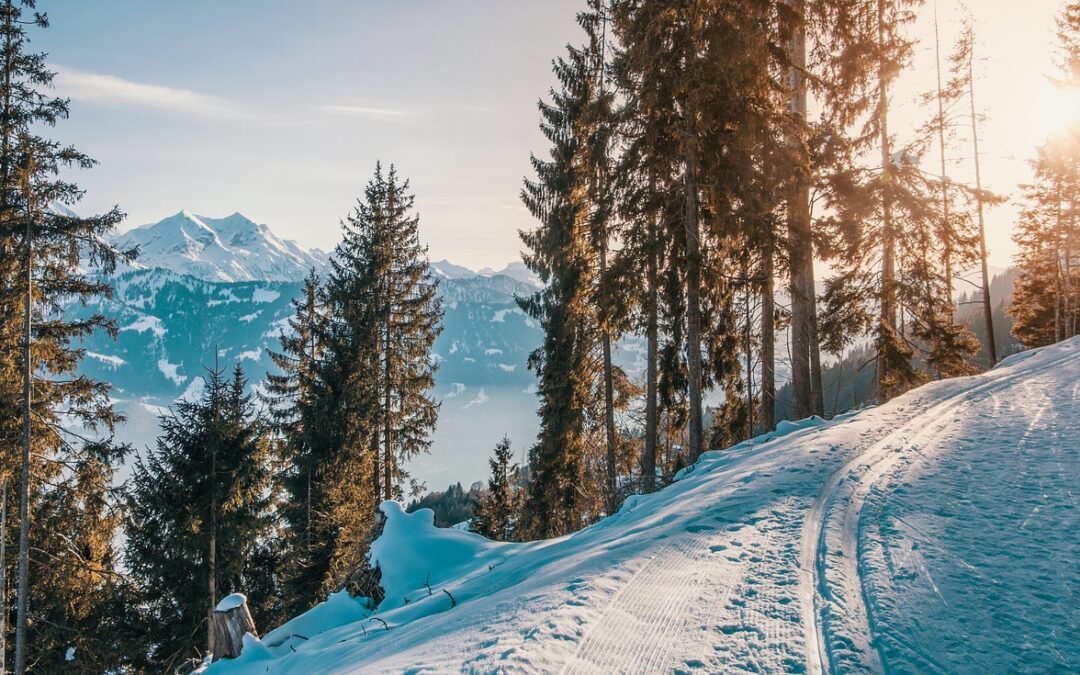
column 937, row 533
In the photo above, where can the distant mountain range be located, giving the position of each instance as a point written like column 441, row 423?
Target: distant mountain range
column 207, row 290
column 233, row 248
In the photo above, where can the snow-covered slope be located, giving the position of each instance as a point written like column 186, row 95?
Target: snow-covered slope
column 233, row 248
column 937, row 533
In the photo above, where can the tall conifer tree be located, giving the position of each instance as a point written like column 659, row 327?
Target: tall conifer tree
column 199, row 510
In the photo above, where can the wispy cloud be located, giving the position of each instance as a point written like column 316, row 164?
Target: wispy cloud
column 371, row 113
column 110, row 90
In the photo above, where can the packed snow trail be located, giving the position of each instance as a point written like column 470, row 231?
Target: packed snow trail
column 937, row 533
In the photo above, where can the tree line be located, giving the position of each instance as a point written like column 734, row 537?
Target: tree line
column 703, row 155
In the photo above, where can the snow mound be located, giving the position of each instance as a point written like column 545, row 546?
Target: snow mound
column 231, row 601
column 416, row 559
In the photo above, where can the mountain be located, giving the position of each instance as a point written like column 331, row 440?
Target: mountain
column 934, row 533
column 233, row 248
column 208, row 290
column 515, row 270
column 445, row 269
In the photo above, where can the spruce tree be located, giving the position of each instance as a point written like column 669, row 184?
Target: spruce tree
column 199, row 513
column 497, row 514
column 45, row 256
column 297, row 399
column 559, row 251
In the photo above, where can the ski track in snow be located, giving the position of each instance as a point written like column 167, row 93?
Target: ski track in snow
column 932, row 534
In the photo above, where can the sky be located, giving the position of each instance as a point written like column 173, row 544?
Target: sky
column 279, row 109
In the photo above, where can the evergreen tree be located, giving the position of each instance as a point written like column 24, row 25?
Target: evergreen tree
column 497, row 513
column 200, row 512
column 1046, row 302
column 381, row 288
column 297, row 400
column 44, row 254
column 353, row 396
column 560, row 253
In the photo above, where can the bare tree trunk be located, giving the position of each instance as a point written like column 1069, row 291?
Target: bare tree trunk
column 768, row 339
column 946, row 230
column 693, row 307
column 609, row 403
column 3, row 578
column 648, row 465
column 804, row 344
column 887, row 297
column 24, row 486
column 749, row 343
column 988, row 312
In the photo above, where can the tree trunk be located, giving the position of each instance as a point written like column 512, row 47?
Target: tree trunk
column 609, row 403
column 887, row 292
column 946, row 229
column 229, row 622
column 693, row 307
column 212, row 557
column 3, row 577
column 768, row 338
column 24, row 485
column 804, row 344
column 648, row 465
column 988, row 314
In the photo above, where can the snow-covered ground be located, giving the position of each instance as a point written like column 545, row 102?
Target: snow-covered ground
column 937, row 533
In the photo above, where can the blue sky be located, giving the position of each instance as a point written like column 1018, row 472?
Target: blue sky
column 279, row 108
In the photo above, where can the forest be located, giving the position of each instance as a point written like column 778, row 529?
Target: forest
column 723, row 179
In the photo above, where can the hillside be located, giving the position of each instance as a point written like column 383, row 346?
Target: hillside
column 935, row 533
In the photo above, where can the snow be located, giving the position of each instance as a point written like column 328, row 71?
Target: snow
column 194, row 390
column 146, row 323
column 935, row 533
column 171, row 371
column 500, row 315
column 480, row 399
column 114, row 361
column 264, row 295
column 233, row 248
column 231, row 601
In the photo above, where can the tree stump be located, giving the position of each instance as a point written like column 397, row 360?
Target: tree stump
column 229, row 621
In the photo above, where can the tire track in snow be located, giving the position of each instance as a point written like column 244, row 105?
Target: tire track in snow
column 845, row 491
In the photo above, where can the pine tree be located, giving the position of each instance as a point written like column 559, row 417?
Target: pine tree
column 1046, row 300
column 43, row 254
column 560, row 252
column 200, row 510
column 353, row 395
column 497, row 514
column 381, row 285
column 297, row 398
column 886, row 226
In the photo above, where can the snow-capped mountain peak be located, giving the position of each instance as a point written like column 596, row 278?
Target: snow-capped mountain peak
column 233, row 248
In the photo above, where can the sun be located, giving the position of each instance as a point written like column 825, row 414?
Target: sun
column 1055, row 109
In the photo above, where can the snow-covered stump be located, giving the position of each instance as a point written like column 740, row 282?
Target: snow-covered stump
column 229, row 621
